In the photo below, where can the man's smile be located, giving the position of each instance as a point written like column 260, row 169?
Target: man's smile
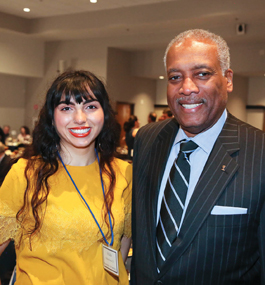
column 190, row 106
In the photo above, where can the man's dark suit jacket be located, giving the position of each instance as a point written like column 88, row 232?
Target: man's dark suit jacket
column 210, row 249
column 5, row 166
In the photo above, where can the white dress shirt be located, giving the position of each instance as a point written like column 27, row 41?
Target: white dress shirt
column 198, row 158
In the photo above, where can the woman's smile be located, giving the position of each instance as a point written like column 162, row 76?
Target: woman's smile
column 80, row 132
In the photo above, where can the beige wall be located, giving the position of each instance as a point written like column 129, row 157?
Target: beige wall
column 149, row 63
column 256, row 91
column 12, row 101
column 237, row 100
column 161, row 91
column 256, row 96
column 21, row 55
column 125, row 87
column 247, row 58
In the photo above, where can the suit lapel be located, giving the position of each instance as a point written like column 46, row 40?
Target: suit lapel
column 159, row 153
column 208, row 189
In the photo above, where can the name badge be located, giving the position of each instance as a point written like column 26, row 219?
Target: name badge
column 110, row 259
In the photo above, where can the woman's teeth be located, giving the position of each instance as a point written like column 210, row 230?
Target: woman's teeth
column 80, row 131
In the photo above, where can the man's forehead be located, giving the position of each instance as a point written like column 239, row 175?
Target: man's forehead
column 192, row 49
column 193, row 43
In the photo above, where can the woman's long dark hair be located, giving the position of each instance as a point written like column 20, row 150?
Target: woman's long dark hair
column 42, row 155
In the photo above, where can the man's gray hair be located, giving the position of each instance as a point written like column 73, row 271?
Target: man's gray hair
column 198, row 34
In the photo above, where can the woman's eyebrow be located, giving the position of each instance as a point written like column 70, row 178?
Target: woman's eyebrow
column 66, row 102
column 90, row 100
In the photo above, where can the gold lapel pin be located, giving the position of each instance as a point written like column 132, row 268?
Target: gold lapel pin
column 223, row 167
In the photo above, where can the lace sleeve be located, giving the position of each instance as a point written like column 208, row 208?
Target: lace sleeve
column 9, row 228
column 11, row 199
column 128, row 202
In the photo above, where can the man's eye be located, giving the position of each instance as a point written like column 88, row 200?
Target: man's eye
column 204, row 74
column 175, row 77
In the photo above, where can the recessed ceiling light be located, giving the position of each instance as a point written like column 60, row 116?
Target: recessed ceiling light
column 93, row 1
column 26, row 10
column 161, row 77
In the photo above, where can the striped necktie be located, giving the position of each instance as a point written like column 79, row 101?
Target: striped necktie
column 173, row 202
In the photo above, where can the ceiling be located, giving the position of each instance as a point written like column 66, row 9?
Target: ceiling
column 49, row 8
column 134, row 24
column 145, row 19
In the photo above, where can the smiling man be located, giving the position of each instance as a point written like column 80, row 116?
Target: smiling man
column 198, row 189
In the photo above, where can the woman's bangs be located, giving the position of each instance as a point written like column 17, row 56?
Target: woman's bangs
column 68, row 91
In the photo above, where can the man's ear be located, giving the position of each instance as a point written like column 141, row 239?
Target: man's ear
column 229, row 76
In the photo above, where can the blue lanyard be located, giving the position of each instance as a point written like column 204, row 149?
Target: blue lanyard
column 102, row 185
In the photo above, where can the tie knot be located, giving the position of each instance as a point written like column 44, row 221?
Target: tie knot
column 188, row 147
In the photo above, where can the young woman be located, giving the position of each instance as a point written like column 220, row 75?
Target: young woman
column 67, row 203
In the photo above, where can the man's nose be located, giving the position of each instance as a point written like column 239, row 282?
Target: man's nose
column 188, row 86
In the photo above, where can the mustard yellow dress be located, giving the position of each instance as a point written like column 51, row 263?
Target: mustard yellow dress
column 68, row 249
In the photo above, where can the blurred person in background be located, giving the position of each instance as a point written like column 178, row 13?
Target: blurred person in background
column 152, row 117
column 167, row 114
column 131, row 128
column 2, row 136
column 24, row 136
column 5, row 162
column 6, row 130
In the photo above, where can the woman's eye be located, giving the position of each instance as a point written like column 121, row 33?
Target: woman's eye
column 91, row 107
column 67, row 108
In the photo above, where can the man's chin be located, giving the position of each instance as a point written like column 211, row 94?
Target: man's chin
column 192, row 131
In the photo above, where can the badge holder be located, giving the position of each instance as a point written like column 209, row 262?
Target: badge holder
column 110, row 259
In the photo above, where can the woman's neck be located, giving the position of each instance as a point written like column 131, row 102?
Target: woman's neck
column 78, row 156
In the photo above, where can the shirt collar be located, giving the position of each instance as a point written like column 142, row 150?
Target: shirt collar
column 204, row 140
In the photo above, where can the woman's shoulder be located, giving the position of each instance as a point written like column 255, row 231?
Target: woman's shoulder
column 18, row 168
column 122, row 165
column 15, row 178
column 20, row 164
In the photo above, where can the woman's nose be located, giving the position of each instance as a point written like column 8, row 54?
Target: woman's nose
column 80, row 117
